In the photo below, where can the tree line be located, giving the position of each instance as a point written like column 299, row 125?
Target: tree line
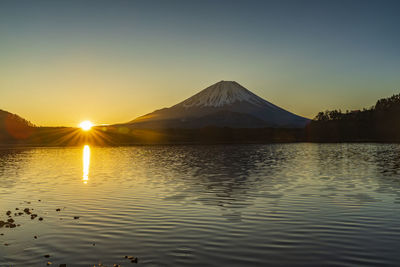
column 379, row 123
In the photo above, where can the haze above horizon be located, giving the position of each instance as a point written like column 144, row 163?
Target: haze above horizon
column 112, row 61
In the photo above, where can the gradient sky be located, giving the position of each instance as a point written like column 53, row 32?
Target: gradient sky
column 62, row 62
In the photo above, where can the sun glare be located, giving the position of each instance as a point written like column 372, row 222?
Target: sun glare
column 86, row 125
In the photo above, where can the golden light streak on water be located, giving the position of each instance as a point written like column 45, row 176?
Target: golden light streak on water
column 86, row 163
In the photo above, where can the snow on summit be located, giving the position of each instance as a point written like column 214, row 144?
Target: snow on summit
column 224, row 104
column 222, row 93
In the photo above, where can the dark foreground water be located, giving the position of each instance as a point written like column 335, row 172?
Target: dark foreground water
column 239, row 205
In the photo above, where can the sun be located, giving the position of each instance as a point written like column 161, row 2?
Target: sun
column 86, row 125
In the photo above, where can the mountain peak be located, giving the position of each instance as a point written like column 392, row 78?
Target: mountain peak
column 220, row 94
column 226, row 85
column 226, row 82
column 223, row 104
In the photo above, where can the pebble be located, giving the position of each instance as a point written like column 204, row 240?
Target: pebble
column 49, row 263
column 27, row 211
column 58, row 209
column 76, row 217
column 62, row 265
column 132, row 259
column 40, row 219
column 8, row 224
column 47, row 256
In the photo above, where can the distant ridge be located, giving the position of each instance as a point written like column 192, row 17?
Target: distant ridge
column 6, row 116
column 13, row 126
column 223, row 104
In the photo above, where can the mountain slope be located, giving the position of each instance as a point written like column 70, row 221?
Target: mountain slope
column 224, row 104
column 13, row 126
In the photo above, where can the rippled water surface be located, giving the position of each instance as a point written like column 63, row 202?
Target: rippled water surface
column 239, row 205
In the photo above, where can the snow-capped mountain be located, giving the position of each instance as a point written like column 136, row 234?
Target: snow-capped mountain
column 224, row 104
column 221, row 94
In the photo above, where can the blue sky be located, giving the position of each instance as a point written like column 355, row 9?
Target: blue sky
column 111, row 61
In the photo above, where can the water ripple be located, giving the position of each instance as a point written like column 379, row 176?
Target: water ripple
column 236, row 205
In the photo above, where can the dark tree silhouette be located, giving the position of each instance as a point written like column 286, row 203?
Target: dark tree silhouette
column 380, row 123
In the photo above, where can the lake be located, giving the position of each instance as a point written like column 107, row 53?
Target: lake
column 218, row 205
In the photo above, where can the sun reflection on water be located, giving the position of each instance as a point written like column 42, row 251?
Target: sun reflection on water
column 86, row 162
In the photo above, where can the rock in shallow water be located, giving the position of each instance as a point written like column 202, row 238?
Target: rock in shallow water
column 132, row 259
column 8, row 224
